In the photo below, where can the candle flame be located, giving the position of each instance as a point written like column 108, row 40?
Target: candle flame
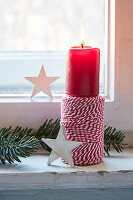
column 82, row 36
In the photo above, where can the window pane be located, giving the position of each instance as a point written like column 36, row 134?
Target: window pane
column 48, row 26
column 19, row 65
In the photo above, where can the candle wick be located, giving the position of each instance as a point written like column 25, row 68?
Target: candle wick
column 82, row 46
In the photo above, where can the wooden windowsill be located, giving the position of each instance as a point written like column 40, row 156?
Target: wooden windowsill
column 33, row 173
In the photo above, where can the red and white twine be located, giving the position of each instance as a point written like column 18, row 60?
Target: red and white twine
column 83, row 120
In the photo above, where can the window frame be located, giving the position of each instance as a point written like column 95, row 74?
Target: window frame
column 110, row 50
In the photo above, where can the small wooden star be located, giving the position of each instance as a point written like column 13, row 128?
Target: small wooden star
column 41, row 83
column 61, row 147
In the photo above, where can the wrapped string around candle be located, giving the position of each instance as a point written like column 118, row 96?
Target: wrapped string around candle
column 83, row 120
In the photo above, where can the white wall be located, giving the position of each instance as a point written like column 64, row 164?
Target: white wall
column 118, row 113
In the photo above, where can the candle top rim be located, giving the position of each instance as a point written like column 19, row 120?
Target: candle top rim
column 85, row 47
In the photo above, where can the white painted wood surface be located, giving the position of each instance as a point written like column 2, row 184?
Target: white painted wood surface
column 33, row 173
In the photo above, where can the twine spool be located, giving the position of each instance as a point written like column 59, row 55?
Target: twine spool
column 83, row 121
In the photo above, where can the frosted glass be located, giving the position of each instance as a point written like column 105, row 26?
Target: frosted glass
column 50, row 25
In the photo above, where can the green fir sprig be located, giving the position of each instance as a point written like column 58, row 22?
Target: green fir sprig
column 16, row 144
column 22, row 142
column 113, row 138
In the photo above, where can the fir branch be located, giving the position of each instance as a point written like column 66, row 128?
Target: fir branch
column 113, row 138
column 49, row 129
column 22, row 142
column 15, row 144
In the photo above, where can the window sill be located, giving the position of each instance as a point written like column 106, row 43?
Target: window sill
column 25, row 98
column 33, row 173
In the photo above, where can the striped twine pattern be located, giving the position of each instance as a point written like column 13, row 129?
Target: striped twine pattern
column 83, row 119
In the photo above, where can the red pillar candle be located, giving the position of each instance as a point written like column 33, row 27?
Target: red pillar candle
column 82, row 75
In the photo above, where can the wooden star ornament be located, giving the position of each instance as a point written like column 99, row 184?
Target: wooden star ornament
column 41, row 83
column 61, row 147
